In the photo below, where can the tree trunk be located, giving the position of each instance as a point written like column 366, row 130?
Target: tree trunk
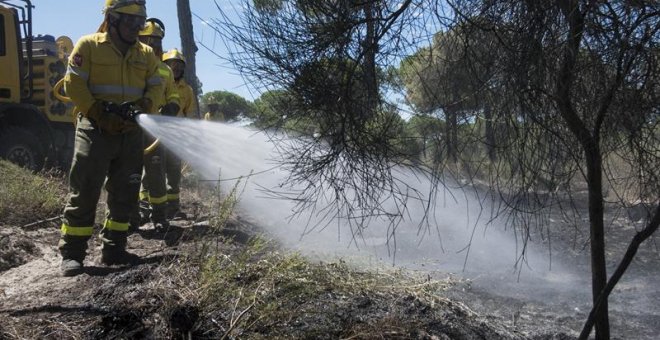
column 370, row 46
column 188, row 46
column 489, row 133
column 597, row 231
column 452, row 135
column 640, row 237
column 447, row 136
column 590, row 144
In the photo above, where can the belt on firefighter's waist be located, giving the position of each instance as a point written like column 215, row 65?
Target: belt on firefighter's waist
column 93, row 123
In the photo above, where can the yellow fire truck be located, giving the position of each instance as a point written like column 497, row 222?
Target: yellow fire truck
column 36, row 129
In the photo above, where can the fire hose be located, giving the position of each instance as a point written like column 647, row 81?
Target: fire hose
column 126, row 112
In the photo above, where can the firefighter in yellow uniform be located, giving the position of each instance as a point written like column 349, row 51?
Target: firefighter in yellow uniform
column 105, row 69
column 214, row 113
column 154, row 188
column 177, row 62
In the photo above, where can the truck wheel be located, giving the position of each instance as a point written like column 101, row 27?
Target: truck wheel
column 22, row 147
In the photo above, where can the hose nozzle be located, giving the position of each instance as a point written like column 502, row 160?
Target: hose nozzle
column 126, row 110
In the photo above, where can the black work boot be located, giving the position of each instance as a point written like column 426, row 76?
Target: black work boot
column 113, row 248
column 180, row 215
column 159, row 217
column 111, row 256
column 71, row 267
column 172, row 209
column 73, row 250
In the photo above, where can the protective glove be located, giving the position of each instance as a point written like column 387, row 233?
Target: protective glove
column 145, row 105
column 108, row 121
column 169, row 109
column 128, row 111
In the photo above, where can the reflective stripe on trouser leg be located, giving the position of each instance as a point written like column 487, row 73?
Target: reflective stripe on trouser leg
column 114, row 234
column 173, row 201
column 157, row 200
column 73, row 242
column 144, row 195
column 77, row 231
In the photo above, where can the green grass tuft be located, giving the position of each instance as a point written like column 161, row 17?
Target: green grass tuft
column 258, row 292
column 27, row 197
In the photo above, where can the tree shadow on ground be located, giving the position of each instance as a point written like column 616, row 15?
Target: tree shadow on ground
column 87, row 309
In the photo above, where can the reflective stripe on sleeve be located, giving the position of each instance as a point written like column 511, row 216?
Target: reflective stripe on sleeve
column 76, row 231
column 77, row 71
column 116, row 226
column 172, row 197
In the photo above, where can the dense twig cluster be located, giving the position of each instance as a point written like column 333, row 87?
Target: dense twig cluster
column 331, row 58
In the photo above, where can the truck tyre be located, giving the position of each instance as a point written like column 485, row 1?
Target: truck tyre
column 22, row 147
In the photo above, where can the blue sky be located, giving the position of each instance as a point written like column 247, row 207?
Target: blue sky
column 75, row 18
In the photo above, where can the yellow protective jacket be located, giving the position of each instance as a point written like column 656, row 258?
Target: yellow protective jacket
column 98, row 71
column 170, row 93
column 187, row 100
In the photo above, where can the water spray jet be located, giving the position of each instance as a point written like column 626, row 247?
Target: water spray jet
column 226, row 153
